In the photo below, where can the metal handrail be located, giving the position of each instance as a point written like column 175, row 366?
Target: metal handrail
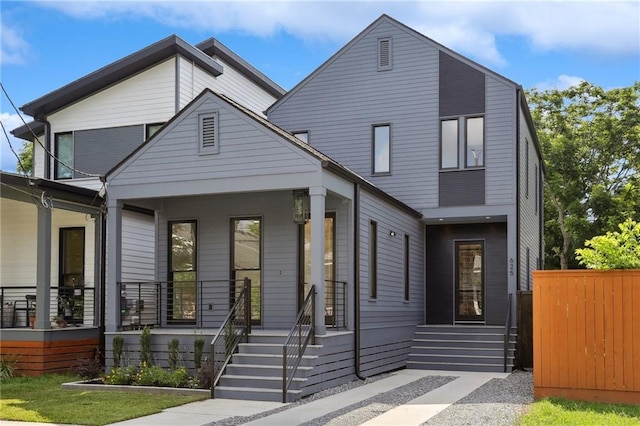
column 226, row 340
column 303, row 331
column 507, row 332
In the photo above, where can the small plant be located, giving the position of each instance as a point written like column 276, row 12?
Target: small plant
column 614, row 250
column 204, row 375
column 174, row 354
column 150, row 375
column 118, row 347
column 178, row 378
column 145, row 346
column 8, row 365
column 89, row 368
column 121, row 376
column 198, row 349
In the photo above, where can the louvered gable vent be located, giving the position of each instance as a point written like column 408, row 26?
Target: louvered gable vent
column 384, row 54
column 208, row 133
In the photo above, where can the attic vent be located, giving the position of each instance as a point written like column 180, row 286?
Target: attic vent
column 384, row 54
column 208, row 133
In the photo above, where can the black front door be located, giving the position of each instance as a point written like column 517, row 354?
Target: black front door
column 71, row 278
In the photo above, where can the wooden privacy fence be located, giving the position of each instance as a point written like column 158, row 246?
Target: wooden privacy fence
column 586, row 335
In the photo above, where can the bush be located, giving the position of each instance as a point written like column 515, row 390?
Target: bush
column 614, row 250
column 89, row 368
column 198, row 349
column 174, row 354
column 178, row 378
column 121, row 376
column 118, row 346
column 145, row 346
column 150, row 376
column 203, row 375
column 8, row 365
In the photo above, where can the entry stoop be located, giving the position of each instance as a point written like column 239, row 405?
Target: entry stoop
column 255, row 372
column 461, row 348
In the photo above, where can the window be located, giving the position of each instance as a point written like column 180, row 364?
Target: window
column 64, row 156
column 303, row 136
column 536, row 187
column 475, row 142
column 373, row 260
column 151, row 129
column 182, row 272
column 449, row 144
column 246, row 261
column 384, row 54
column 71, row 274
column 526, row 167
column 381, row 148
column 208, row 133
column 406, row 268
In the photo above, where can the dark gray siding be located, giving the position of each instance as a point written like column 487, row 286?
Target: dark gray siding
column 98, row 150
column 461, row 88
column 461, row 188
column 440, row 270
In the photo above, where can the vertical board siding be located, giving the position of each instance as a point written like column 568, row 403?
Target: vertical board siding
column 585, row 329
column 529, row 219
column 339, row 105
column 388, row 322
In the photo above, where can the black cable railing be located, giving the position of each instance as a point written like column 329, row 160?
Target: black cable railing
column 302, row 332
column 336, row 304
column 507, row 331
column 235, row 328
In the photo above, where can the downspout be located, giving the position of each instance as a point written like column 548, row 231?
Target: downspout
column 47, row 147
column 518, row 94
column 356, row 277
column 103, row 274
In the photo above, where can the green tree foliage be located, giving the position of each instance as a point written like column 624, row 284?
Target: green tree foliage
column 590, row 139
column 614, row 250
column 25, row 165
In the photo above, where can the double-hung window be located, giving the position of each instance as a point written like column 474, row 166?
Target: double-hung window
column 381, row 148
column 63, row 150
column 471, row 144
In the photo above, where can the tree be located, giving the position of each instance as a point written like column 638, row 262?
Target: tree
column 590, row 139
column 614, row 250
column 25, row 165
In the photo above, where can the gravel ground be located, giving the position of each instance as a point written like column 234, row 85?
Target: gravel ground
column 498, row 402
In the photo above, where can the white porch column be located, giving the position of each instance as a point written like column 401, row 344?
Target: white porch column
column 317, row 198
column 43, row 269
column 114, row 263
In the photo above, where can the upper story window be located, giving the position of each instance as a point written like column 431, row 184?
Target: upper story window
column 471, row 144
column 151, row 129
column 208, row 142
column 63, row 151
column 381, row 148
column 303, row 136
column 384, row 54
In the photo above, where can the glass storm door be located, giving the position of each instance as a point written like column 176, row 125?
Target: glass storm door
column 329, row 264
column 469, row 289
column 182, row 272
column 246, row 261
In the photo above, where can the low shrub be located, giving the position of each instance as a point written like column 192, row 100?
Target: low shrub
column 121, row 376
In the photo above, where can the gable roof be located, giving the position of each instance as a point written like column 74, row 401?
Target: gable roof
column 118, row 71
column 325, row 161
column 214, row 47
column 403, row 27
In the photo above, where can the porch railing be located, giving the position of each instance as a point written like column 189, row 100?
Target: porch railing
column 302, row 332
column 507, row 332
column 235, row 328
column 202, row 304
column 336, row 304
column 68, row 306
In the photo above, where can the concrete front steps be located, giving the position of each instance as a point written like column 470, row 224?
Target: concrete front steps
column 255, row 372
column 461, row 348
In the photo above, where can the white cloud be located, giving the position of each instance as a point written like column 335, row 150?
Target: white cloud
column 470, row 27
column 560, row 83
column 8, row 161
column 13, row 47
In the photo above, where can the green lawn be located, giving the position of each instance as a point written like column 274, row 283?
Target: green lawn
column 42, row 399
column 562, row 412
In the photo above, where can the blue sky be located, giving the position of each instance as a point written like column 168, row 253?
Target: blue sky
column 47, row 44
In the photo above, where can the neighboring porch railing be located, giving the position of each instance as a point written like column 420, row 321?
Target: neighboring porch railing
column 67, row 306
column 236, row 327
column 201, row 304
column 507, row 332
column 302, row 332
column 336, row 304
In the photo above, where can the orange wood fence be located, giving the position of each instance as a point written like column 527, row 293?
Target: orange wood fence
column 586, row 335
column 39, row 357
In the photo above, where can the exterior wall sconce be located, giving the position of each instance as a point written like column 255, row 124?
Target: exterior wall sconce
column 392, row 233
column 300, row 206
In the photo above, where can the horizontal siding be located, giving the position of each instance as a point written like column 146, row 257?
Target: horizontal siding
column 96, row 151
column 246, row 149
column 384, row 348
column 147, row 97
column 18, row 242
column 138, row 247
column 340, row 104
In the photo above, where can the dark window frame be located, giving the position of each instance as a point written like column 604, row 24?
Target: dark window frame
column 58, row 166
column 147, row 129
column 466, row 141
column 170, row 270
column 297, row 134
column 373, row 260
column 457, row 144
column 407, row 283
column 374, row 141
column 232, row 269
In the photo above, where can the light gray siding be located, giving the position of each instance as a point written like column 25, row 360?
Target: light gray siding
column 384, row 320
column 340, row 104
column 138, row 247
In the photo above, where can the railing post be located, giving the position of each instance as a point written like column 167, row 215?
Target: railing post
column 313, row 316
column 247, row 311
column 213, row 370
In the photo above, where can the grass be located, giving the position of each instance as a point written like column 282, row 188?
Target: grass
column 555, row 411
column 42, row 399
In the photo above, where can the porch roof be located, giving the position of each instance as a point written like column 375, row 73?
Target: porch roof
column 26, row 188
